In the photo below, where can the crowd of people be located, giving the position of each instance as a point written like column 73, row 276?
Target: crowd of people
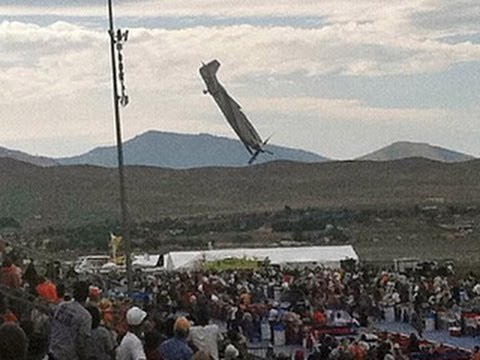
column 208, row 314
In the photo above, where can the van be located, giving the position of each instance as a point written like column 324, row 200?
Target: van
column 90, row 264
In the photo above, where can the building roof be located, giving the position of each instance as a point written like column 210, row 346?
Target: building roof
column 324, row 255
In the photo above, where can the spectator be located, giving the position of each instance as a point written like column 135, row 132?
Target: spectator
column 397, row 353
column 358, row 351
column 176, row 348
column 240, row 343
column 47, row 290
column 30, row 275
column 9, row 276
column 316, row 354
column 13, row 342
column 152, row 343
column 201, row 355
column 131, row 347
column 417, row 323
column 6, row 316
column 475, row 353
column 205, row 336
column 100, row 345
column 413, row 344
column 231, row 352
column 71, row 327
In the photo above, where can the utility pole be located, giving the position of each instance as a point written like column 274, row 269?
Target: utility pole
column 117, row 38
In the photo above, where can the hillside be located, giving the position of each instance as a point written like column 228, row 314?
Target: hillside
column 21, row 156
column 405, row 149
column 181, row 151
column 72, row 195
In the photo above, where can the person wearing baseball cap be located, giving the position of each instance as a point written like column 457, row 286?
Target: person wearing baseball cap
column 177, row 348
column 131, row 347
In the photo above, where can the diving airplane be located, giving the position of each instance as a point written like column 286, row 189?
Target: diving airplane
column 232, row 112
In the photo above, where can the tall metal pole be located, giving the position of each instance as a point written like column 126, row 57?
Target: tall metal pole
column 118, row 128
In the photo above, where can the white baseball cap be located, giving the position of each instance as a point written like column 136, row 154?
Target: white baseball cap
column 231, row 352
column 135, row 316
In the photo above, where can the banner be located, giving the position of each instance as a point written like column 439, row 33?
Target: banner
column 232, row 264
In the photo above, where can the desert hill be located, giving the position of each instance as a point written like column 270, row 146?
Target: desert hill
column 182, row 151
column 22, row 156
column 405, row 149
column 73, row 195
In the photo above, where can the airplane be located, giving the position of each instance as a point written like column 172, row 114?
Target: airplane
column 232, row 112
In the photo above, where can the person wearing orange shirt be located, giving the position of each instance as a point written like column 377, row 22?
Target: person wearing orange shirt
column 47, row 290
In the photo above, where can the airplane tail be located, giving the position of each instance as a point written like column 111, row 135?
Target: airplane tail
column 211, row 68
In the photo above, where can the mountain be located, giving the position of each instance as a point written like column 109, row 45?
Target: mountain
column 73, row 195
column 405, row 149
column 181, row 151
column 31, row 159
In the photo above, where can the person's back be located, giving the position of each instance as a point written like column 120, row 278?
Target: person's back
column 152, row 343
column 13, row 342
column 70, row 327
column 100, row 345
column 131, row 347
column 206, row 338
column 176, row 348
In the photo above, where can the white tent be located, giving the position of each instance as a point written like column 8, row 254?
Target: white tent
column 329, row 256
column 146, row 260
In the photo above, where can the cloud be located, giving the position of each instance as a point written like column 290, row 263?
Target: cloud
column 56, row 78
column 449, row 18
column 343, row 109
column 63, row 59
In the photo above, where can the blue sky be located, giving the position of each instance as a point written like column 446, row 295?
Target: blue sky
column 336, row 77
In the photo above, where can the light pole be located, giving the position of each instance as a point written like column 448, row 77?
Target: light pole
column 116, row 41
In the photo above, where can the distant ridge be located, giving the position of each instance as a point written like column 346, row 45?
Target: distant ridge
column 405, row 149
column 73, row 195
column 182, row 151
column 27, row 158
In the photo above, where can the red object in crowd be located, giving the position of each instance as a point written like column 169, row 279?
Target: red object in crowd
column 358, row 352
column 94, row 292
column 319, row 318
column 9, row 317
column 47, row 290
column 9, row 277
column 120, row 319
column 299, row 355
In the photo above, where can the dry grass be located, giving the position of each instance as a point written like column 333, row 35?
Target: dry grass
column 72, row 195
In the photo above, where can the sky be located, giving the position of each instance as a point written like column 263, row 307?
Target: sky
column 340, row 78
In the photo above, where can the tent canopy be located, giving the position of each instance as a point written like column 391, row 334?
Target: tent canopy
column 329, row 256
column 146, row 260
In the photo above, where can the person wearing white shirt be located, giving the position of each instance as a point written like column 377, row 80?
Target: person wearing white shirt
column 206, row 336
column 131, row 347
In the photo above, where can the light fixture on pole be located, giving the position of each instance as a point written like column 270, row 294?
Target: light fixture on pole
column 117, row 39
